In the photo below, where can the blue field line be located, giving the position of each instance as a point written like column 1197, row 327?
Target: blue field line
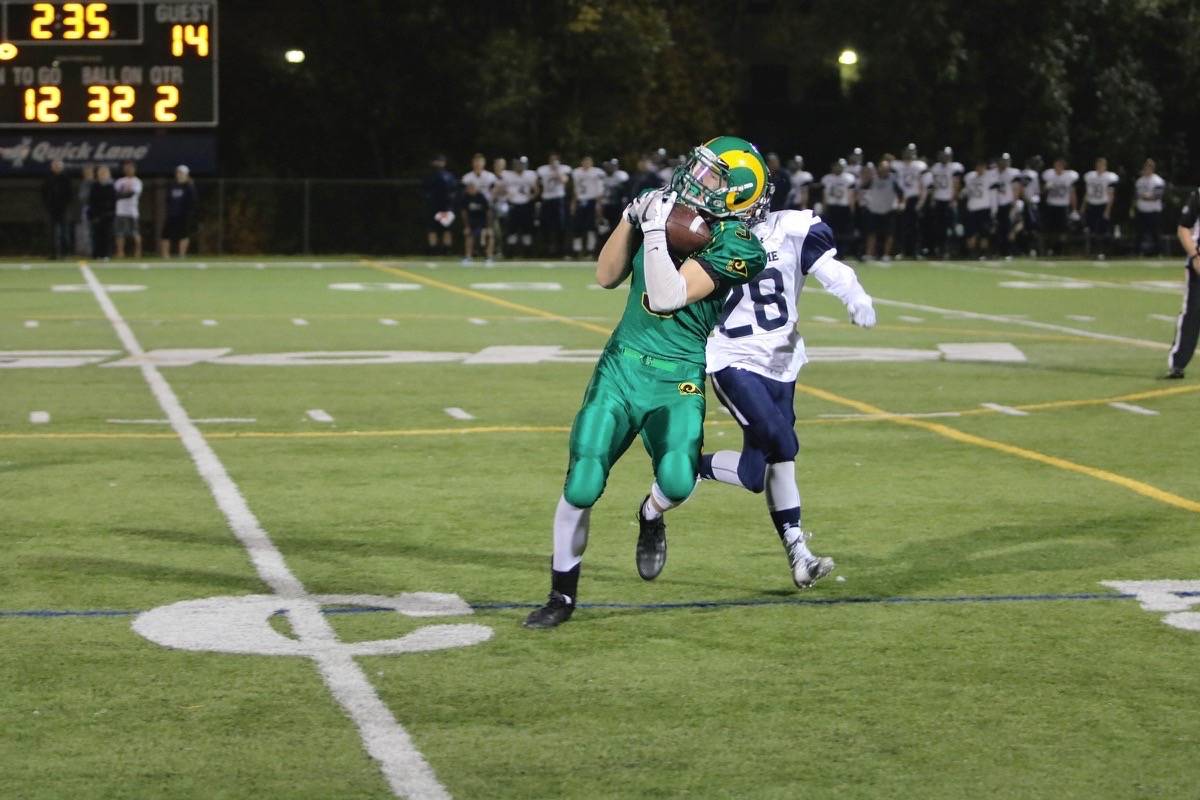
column 681, row 605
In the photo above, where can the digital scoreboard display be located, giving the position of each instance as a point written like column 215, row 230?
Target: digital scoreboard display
column 119, row 64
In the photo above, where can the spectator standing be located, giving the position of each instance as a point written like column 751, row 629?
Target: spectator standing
column 909, row 171
column 1149, row 205
column 616, row 195
column 83, row 226
column 1187, row 329
column 946, row 175
column 553, row 177
column 981, row 206
column 1061, row 203
column 181, row 214
column 102, row 208
column 801, row 180
column 1100, row 192
column 477, row 221
column 129, row 198
column 587, row 180
column 854, row 163
column 500, row 207
column 883, row 196
column 1003, row 175
column 56, row 199
column 439, row 188
column 781, row 183
column 837, row 204
column 520, row 189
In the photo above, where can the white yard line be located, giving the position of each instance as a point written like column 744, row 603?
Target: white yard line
column 31, row 323
column 1026, row 323
column 1045, row 276
column 391, row 323
column 1165, row 318
column 822, row 319
column 319, row 415
column 39, row 417
column 1134, row 409
column 477, row 321
column 906, row 318
column 1009, row 410
column 406, row 771
column 208, row 323
column 925, row 415
column 1081, row 318
column 299, row 323
column 458, row 413
column 204, row 421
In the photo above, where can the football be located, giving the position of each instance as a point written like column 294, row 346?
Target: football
column 687, row 231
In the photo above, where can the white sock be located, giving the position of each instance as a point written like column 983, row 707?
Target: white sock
column 570, row 535
column 725, row 467
column 657, row 503
column 782, row 495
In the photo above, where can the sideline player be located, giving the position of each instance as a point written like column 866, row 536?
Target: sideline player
column 947, row 183
column 1187, row 330
column 587, row 180
column 650, row 379
column 909, row 170
column 754, row 356
column 1059, row 197
column 1100, row 194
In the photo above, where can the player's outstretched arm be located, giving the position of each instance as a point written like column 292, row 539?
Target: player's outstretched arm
column 842, row 282
column 667, row 288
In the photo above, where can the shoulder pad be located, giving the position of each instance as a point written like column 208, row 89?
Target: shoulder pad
column 794, row 223
column 733, row 252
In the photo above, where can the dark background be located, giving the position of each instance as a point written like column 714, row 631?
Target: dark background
column 386, row 83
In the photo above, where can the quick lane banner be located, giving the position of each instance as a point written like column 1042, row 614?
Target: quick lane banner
column 29, row 155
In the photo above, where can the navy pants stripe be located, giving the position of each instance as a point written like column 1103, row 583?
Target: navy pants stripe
column 764, row 410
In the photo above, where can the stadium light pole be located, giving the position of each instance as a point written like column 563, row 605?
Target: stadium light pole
column 848, row 68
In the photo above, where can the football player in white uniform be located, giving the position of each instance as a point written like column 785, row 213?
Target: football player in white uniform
column 909, row 170
column 947, row 183
column 1149, row 189
column 754, row 356
column 520, row 190
column 801, row 180
column 1059, row 197
column 588, row 182
column 1002, row 177
column 1100, row 194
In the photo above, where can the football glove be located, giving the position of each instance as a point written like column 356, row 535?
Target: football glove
column 656, row 211
column 633, row 211
column 862, row 312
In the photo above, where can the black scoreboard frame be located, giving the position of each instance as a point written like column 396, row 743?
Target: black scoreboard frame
column 35, row 45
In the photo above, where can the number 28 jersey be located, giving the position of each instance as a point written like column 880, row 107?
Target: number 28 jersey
column 757, row 329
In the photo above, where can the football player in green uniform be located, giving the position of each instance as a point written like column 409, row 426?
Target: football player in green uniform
column 650, row 378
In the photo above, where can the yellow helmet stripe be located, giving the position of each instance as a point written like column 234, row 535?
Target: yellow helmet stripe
column 740, row 158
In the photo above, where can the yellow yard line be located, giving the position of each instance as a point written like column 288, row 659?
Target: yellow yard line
column 1125, row 398
column 1144, row 489
column 487, row 298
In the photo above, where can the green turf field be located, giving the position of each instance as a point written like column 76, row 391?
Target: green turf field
column 967, row 649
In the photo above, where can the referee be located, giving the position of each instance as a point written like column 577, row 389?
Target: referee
column 1188, row 327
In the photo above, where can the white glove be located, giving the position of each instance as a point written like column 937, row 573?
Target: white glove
column 862, row 312
column 656, row 211
column 633, row 211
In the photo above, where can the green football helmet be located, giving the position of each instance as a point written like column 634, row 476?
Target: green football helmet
column 724, row 177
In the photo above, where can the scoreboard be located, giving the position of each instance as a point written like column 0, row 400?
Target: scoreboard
column 117, row 64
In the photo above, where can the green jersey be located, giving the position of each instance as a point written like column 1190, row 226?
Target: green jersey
column 732, row 256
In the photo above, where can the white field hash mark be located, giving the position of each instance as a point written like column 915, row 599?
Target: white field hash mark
column 406, row 771
column 1009, row 410
column 458, row 413
column 39, row 417
column 319, row 415
column 1134, row 409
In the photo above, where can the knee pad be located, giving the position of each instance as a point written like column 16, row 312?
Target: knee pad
column 676, row 476
column 585, row 483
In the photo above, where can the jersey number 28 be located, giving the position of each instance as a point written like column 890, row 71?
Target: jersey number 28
column 762, row 298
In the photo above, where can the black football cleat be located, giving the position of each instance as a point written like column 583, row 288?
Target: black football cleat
column 1173, row 374
column 651, row 545
column 558, row 609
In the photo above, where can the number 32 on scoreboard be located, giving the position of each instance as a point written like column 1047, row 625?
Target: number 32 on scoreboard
column 113, row 104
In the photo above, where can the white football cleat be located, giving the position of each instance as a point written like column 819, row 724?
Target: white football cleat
column 807, row 568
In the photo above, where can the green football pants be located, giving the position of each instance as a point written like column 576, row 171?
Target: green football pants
column 630, row 394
